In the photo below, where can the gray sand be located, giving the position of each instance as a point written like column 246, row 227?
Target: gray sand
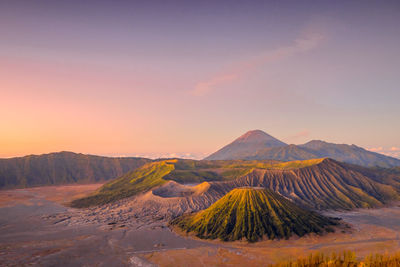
column 43, row 234
column 28, row 237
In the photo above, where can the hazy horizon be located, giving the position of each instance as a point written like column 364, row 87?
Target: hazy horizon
column 155, row 78
column 392, row 152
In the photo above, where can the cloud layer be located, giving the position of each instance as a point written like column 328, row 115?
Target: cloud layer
column 392, row 152
column 241, row 69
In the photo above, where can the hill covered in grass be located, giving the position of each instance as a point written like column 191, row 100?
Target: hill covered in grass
column 134, row 182
column 63, row 168
column 247, row 213
column 317, row 184
column 327, row 184
column 155, row 174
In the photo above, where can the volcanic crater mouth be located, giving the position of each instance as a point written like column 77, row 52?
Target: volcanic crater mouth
column 173, row 189
column 252, row 187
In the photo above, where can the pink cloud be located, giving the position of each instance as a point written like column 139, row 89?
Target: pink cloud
column 297, row 136
column 183, row 155
column 240, row 69
column 375, row 149
column 391, row 152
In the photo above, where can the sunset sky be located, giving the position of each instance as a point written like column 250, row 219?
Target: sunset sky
column 157, row 78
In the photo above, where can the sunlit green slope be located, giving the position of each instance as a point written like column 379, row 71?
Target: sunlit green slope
column 140, row 180
column 247, row 213
column 316, row 183
column 182, row 171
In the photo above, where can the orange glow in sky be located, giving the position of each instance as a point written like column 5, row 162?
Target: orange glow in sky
column 108, row 80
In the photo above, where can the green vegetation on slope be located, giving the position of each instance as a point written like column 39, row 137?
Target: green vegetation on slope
column 132, row 183
column 297, row 164
column 191, row 171
column 317, row 183
column 182, row 171
column 346, row 259
column 189, row 176
column 247, row 213
column 327, row 185
column 389, row 176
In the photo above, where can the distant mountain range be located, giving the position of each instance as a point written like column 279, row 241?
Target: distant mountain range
column 63, row 168
column 258, row 145
column 67, row 167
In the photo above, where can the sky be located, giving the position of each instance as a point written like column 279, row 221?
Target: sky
column 179, row 78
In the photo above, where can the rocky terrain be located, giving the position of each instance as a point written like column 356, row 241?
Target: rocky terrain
column 131, row 219
column 133, row 231
column 317, row 184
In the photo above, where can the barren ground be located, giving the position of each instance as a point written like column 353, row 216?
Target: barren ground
column 36, row 229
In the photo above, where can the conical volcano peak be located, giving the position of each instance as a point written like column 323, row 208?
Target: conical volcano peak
column 250, row 213
column 256, row 136
column 246, row 144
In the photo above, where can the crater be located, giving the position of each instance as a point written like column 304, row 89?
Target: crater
column 174, row 189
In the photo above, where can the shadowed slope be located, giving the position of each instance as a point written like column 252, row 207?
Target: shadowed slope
column 257, row 145
column 251, row 214
column 350, row 153
column 320, row 149
column 285, row 153
column 63, row 168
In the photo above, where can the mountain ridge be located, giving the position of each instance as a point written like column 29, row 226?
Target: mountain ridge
column 313, row 149
column 63, row 168
column 317, row 183
column 328, row 184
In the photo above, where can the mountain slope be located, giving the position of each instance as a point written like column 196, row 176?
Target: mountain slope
column 181, row 171
column 316, row 184
column 327, row 184
column 252, row 214
column 285, row 153
column 63, row 168
column 350, row 154
column 246, row 149
column 138, row 181
column 247, row 143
